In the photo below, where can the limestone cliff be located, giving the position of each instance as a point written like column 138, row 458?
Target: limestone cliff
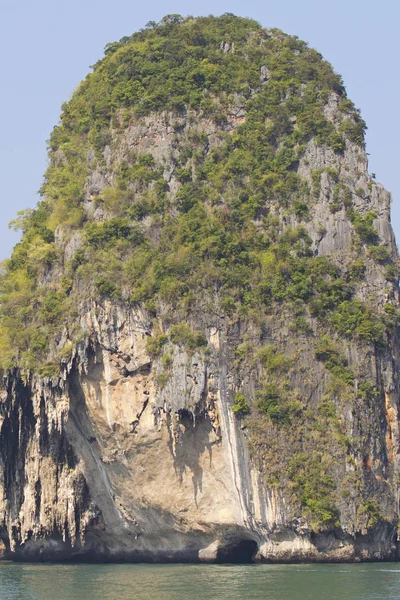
column 199, row 328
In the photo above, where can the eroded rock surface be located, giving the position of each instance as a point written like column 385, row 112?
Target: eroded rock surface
column 129, row 450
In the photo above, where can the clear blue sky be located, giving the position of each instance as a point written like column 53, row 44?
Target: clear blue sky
column 48, row 46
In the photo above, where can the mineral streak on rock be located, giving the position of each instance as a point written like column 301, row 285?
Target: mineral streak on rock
column 198, row 329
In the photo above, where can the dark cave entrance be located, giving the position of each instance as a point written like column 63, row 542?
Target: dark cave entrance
column 241, row 552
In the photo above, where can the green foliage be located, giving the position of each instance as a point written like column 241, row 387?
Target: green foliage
column 315, row 489
column 334, row 361
column 78, row 259
column 331, row 294
column 163, row 378
column 292, row 275
column 367, row 390
column 301, row 325
column 300, row 209
column 273, row 361
column 379, row 254
column 357, row 269
column 210, row 234
column 364, row 226
column 316, row 182
column 244, row 351
column 353, row 317
column 49, row 370
column 184, row 175
column 108, row 233
column 269, row 402
column 52, row 306
column 241, row 405
column 354, row 129
column 167, row 361
column 392, row 274
column 105, row 287
column 155, row 344
column 372, row 510
column 183, row 335
column 337, row 142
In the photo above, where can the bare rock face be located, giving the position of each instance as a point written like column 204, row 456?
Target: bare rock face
column 274, row 434
column 103, row 464
column 107, row 466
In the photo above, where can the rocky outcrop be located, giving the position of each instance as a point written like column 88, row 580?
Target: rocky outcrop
column 102, row 464
column 136, row 447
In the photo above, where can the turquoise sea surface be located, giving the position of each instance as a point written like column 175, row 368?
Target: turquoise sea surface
column 200, row 582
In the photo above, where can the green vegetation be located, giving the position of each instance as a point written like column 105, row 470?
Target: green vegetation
column 182, row 335
column 164, row 376
column 155, row 344
column 372, row 510
column 364, row 226
column 357, row 270
column 208, row 238
column 241, row 405
column 269, row 402
column 353, row 317
column 314, row 488
column 380, row 254
column 214, row 221
column 273, row 361
column 333, row 360
column 301, row 458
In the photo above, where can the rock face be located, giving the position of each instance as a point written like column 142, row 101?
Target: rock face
column 273, row 435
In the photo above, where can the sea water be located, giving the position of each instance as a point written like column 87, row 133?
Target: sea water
column 199, row 582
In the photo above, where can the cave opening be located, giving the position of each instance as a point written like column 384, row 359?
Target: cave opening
column 241, row 552
column 186, row 417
